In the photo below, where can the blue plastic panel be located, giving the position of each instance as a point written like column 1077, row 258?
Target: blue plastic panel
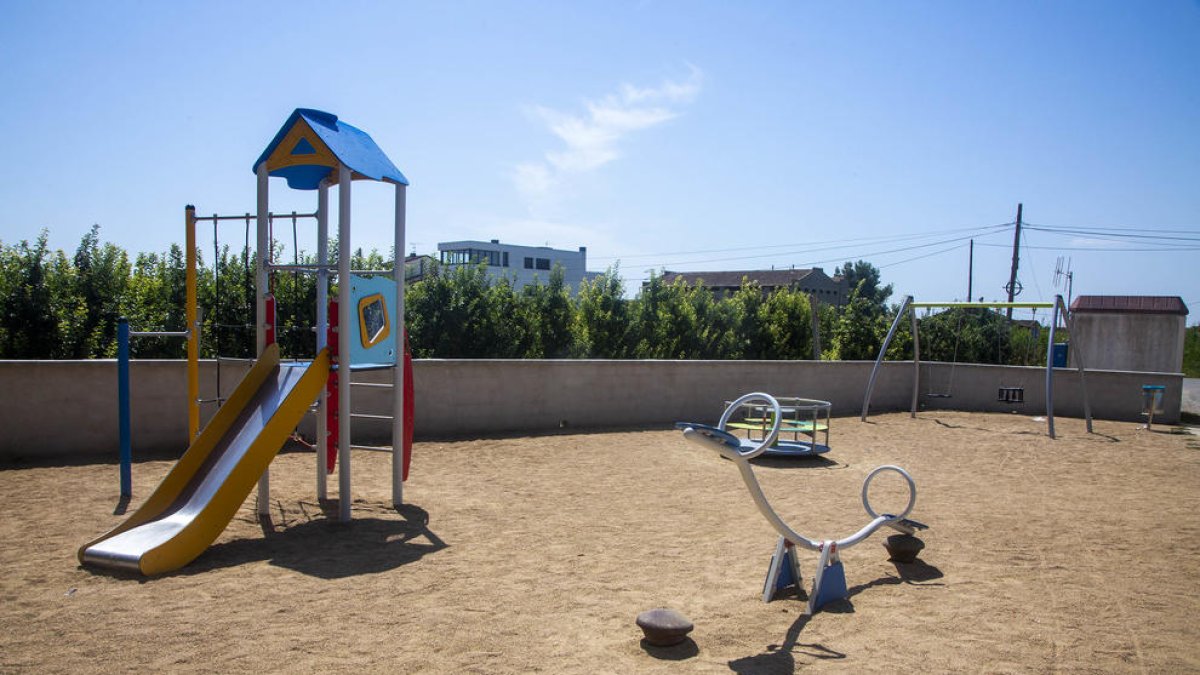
column 383, row 352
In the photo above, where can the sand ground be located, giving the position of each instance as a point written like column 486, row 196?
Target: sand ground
column 535, row 554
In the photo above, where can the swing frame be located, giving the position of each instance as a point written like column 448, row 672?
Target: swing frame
column 1058, row 308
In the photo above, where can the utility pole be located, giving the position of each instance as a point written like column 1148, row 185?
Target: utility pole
column 970, row 269
column 1012, row 276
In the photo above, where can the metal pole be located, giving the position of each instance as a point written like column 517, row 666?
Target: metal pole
column 262, row 256
column 1012, row 275
column 1050, row 372
column 398, row 371
column 322, row 328
column 1074, row 337
column 344, row 332
column 970, row 270
column 123, row 407
column 882, row 351
column 916, row 390
column 193, row 325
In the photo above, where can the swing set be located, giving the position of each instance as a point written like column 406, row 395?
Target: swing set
column 1009, row 394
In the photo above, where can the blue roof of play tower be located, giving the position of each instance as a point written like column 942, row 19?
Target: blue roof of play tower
column 350, row 145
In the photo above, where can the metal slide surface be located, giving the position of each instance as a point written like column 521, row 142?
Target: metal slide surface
column 198, row 498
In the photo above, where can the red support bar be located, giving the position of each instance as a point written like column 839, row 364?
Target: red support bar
column 331, row 390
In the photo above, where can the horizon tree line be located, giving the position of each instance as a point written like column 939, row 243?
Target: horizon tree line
column 55, row 306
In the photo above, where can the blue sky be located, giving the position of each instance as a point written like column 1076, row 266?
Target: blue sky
column 678, row 135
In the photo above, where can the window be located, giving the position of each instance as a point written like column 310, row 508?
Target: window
column 373, row 324
column 471, row 256
column 506, row 258
column 543, row 263
column 529, row 263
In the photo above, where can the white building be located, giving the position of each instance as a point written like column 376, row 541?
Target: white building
column 521, row 264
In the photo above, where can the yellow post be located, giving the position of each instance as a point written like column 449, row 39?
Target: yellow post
column 193, row 328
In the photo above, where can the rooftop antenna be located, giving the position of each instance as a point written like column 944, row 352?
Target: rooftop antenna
column 1064, row 276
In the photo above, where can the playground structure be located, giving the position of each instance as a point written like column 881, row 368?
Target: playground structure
column 195, row 501
column 1058, row 310
column 829, row 580
column 802, row 416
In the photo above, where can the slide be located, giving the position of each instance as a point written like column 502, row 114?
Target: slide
column 200, row 495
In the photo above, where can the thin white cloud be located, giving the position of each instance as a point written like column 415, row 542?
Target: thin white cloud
column 593, row 137
column 1088, row 242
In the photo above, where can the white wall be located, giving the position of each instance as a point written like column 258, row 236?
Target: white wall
column 69, row 408
column 1143, row 342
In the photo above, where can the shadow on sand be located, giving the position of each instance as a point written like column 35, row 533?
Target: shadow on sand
column 330, row 549
column 811, row 462
column 781, row 658
column 680, row 652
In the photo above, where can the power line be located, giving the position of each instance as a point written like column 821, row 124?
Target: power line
column 1132, row 230
column 919, row 257
column 1109, row 235
column 827, row 260
column 1032, row 268
column 1164, row 249
column 811, row 245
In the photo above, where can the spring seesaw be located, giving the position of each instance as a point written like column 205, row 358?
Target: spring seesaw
column 829, row 581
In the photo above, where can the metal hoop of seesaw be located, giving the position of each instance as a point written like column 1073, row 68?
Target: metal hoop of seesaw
column 770, row 438
column 912, row 491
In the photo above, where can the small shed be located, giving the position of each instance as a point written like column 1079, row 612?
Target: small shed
column 1141, row 333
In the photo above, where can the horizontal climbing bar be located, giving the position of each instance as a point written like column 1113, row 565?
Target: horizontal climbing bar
column 987, row 305
column 159, row 333
column 251, row 216
column 364, row 416
column 372, row 448
column 304, row 267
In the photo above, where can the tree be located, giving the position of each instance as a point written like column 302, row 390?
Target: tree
column 1191, row 352
column 549, row 313
column 787, row 317
column 602, row 317
column 859, row 330
column 664, row 322
column 30, row 328
column 508, row 336
column 749, row 335
column 867, row 275
column 449, row 314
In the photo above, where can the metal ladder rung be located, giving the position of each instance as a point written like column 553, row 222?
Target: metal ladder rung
column 372, row 448
column 371, row 385
column 364, row 416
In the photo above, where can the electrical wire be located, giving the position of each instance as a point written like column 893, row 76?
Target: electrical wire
column 1032, row 269
column 1131, row 230
column 1163, row 249
column 920, row 257
column 834, row 260
column 1110, row 235
column 831, row 244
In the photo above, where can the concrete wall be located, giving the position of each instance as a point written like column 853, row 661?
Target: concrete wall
column 1138, row 342
column 69, row 408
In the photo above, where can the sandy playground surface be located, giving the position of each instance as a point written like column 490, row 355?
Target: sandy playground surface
column 535, row 554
